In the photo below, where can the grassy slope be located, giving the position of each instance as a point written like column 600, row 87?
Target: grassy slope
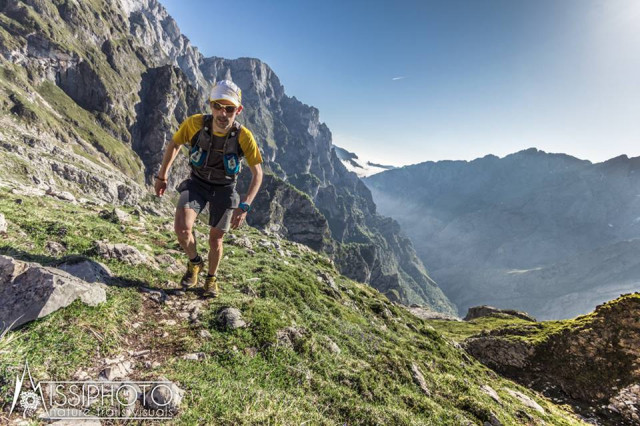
column 509, row 327
column 369, row 382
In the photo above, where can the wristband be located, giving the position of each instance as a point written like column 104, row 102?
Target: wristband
column 160, row 179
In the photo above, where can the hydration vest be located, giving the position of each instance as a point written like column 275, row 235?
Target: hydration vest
column 216, row 159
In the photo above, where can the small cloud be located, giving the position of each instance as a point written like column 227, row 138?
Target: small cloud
column 399, row 78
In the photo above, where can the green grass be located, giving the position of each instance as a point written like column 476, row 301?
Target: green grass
column 246, row 377
column 460, row 330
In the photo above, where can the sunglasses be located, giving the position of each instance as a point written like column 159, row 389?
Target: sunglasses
column 230, row 109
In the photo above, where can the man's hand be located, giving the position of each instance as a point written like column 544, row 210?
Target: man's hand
column 160, row 186
column 238, row 218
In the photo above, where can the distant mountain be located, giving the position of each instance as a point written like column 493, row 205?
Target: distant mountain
column 545, row 233
column 360, row 167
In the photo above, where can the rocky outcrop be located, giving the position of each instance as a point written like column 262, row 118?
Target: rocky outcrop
column 486, row 311
column 284, row 210
column 500, row 353
column 122, row 252
column 593, row 360
column 166, row 98
column 29, row 291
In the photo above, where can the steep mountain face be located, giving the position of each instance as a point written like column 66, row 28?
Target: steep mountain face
column 545, row 233
column 108, row 83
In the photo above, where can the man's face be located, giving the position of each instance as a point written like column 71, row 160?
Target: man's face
column 223, row 120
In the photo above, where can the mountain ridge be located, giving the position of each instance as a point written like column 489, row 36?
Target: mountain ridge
column 494, row 230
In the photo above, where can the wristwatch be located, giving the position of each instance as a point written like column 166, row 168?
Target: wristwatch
column 244, row 207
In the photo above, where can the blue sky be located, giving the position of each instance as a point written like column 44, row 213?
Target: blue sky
column 402, row 82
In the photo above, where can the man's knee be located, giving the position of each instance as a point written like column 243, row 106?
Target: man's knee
column 215, row 237
column 183, row 224
column 182, row 230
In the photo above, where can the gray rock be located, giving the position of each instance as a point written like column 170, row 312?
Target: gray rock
column 627, row 403
column 251, row 351
column 249, row 291
column 331, row 287
column 491, row 392
column 117, row 370
column 3, row 224
column 291, row 336
column 28, row 191
column 120, row 216
column 122, row 252
column 29, row 291
column 169, row 263
column 164, row 395
column 55, row 248
column 493, row 421
column 525, row 400
column 332, row 346
column 158, row 296
column 244, row 242
column 265, row 243
column 485, row 311
column 231, row 318
column 62, row 195
column 418, row 377
column 87, row 270
column 194, row 356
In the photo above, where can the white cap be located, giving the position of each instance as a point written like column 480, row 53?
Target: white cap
column 227, row 90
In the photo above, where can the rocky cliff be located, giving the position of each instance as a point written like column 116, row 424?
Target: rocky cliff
column 108, row 83
column 592, row 362
column 548, row 234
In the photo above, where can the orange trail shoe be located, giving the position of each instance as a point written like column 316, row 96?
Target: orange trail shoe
column 211, row 288
column 190, row 278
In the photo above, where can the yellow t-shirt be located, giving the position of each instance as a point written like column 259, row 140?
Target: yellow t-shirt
column 193, row 124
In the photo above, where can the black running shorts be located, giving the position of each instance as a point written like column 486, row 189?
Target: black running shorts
column 222, row 199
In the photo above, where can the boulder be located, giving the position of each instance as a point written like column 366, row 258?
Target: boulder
column 291, row 336
column 486, row 311
column 418, row 377
column 164, row 395
column 525, row 400
column 29, row 291
column 231, row 318
column 122, row 252
column 87, row 270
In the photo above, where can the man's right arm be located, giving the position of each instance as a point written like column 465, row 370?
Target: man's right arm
column 163, row 174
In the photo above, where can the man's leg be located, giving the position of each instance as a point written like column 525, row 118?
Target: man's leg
column 183, row 226
column 219, row 220
column 215, row 249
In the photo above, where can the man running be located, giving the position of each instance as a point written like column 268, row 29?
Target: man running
column 217, row 143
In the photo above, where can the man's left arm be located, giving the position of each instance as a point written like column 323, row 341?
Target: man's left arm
column 256, row 180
